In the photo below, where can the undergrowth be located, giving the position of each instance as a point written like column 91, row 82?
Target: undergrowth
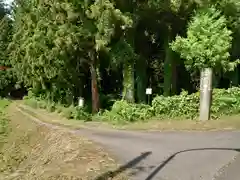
column 69, row 112
column 183, row 106
column 3, row 121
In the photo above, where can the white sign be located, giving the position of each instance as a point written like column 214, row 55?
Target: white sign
column 81, row 102
column 149, row 91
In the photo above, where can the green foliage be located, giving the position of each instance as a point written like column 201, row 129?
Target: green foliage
column 45, row 43
column 70, row 112
column 106, row 16
column 207, row 43
column 5, row 39
column 34, row 103
column 122, row 52
column 55, row 46
column 7, row 77
column 181, row 106
column 80, row 114
column 54, row 43
column 123, row 111
column 7, row 82
column 107, row 100
column 3, row 126
column 3, row 10
column 3, row 104
column 3, row 120
column 224, row 102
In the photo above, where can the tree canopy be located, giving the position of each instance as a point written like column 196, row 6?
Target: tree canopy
column 207, row 43
column 102, row 50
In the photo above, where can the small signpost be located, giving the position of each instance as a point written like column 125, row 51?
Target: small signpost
column 80, row 102
column 149, row 93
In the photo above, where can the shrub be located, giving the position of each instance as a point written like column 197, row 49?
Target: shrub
column 70, row 112
column 80, row 114
column 3, row 120
column 182, row 105
column 59, row 107
column 42, row 104
column 224, row 102
column 3, row 124
column 51, row 107
column 123, row 111
column 67, row 112
column 73, row 112
column 31, row 102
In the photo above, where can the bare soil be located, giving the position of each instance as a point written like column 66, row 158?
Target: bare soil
column 36, row 152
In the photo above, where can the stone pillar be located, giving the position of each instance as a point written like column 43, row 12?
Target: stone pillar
column 205, row 94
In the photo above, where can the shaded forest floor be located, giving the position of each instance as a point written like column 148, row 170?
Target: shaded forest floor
column 224, row 123
column 32, row 151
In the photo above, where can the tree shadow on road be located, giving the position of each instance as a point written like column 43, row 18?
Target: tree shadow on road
column 129, row 165
column 162, row 165
column 132, row 164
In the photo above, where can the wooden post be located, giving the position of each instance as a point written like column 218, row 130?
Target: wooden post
column 205, row 94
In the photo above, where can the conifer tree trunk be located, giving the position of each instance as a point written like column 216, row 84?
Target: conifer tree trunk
column 169, row 68
column 235, row 77
column 128, row 82
column 141, row 79
column 94, row 85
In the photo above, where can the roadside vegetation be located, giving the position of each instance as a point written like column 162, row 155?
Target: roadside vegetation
column 178, row 112
column 109, row 52
column 32, row 151
column 4, row 129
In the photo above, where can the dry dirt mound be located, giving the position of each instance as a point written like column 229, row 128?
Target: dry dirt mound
column 36, row 152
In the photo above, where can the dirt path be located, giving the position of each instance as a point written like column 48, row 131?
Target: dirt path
column 165, row 155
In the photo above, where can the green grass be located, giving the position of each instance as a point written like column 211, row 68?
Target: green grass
column 3, row 104
column 225, row 122
column 3, row 121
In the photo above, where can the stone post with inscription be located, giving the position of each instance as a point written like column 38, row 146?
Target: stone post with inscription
column 205, row 94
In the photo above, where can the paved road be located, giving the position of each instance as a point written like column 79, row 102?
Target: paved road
column 232, row 171
column 172, row 155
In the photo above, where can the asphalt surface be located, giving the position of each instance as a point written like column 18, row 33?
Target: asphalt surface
column 231, row 171
column 174, row 155
column 170, row 155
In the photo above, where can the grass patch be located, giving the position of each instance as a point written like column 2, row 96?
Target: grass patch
column 3, row 104
column 69, row 112
column 3, row 121
column 224, row 123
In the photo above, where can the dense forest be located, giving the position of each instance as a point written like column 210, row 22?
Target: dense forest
column 108, row 50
